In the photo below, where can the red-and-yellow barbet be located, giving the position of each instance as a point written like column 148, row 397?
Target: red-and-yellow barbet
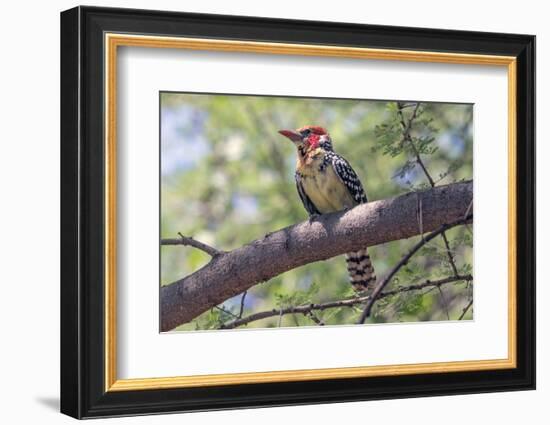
column 327, row 183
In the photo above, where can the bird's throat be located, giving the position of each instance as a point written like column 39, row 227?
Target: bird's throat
column 309, row 161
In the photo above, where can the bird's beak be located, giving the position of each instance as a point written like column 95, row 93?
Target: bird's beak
column 292, row 135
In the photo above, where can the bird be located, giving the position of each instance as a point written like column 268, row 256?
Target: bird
column 326, row 182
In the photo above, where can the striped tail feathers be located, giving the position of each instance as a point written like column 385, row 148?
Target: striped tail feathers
column 360, row 269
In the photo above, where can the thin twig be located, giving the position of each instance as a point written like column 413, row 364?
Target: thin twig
column 351, row 302
column 407, row 137
column 466, row 309
column 432, row 284
column 468, row 212
column 314, row 318
column 469, row 209
column 429, row 290
column 449, row 253
column 241, row 309
column 401, row 263
column 189, row 241
column 223, row 309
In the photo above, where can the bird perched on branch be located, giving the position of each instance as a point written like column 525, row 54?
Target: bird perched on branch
column 327, row 183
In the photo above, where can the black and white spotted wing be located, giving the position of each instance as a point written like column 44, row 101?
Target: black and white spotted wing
column 308, row 205
column 347, row 175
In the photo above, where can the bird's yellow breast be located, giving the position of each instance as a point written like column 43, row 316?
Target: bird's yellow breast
column 324, row 188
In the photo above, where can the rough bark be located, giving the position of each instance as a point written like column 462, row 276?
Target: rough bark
column 231, row 273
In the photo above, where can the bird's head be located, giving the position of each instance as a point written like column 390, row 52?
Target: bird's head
column 308, row 138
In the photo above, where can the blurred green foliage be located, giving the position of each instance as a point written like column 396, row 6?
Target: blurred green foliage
column 228, row 178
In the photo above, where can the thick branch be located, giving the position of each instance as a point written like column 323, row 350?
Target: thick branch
column 233, row 272
column 309, row 308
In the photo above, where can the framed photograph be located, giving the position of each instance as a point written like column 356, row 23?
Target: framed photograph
column 261, row 212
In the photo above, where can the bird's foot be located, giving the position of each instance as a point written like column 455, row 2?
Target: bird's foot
column 312, row 218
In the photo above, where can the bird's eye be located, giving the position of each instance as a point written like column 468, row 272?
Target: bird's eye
column 306, row 132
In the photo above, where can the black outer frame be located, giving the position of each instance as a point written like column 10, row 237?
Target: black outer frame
column 82, row 206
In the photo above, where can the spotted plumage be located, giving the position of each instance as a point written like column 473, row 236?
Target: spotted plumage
column 326, row 183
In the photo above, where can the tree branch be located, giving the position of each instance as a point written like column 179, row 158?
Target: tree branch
column 188, row 241
column 404, row 260
column 241, row 309
column 308, row 309
column 407, row 137
column 234, row 272
column 465, row 309
column 407, row 127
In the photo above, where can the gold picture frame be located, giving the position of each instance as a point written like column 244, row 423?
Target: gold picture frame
column 114, row 41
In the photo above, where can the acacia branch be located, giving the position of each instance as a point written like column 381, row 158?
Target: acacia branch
column 308, row 309
column 231, row 273
column 465, row 309
column 407, row 127
column 241, row 309
column 404, row 260
column 188, row 241
column 407, row 137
